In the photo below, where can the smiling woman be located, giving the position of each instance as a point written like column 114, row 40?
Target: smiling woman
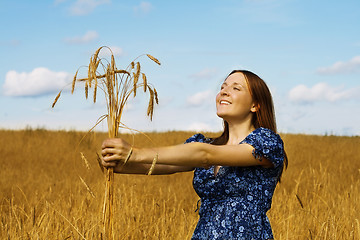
column 235, row 174
column 234, row 100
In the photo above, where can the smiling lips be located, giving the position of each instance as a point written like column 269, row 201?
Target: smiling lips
column 224, row 102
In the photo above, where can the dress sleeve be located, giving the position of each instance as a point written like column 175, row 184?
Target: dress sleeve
column 197, row 138
column 266, row 144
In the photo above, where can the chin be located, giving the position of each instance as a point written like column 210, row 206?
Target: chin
column 221, row 115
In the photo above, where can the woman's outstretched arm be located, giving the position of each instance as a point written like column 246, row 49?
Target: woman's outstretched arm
column 190, row 155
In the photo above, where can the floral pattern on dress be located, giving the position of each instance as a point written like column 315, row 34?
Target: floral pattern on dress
column 235, row 201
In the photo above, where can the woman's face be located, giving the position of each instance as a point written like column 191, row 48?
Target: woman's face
column 234, row 102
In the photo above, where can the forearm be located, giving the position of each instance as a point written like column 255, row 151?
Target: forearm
column 131, row 168
column 160, row 169
column 187, row 155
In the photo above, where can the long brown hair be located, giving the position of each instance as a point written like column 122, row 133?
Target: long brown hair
column 265, row 113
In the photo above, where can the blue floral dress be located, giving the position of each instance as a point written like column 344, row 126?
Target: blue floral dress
column 235, row 201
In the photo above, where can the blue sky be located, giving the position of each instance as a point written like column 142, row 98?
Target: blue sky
column 308, row 52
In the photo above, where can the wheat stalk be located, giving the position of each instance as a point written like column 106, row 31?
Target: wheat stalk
column 118, row 85
column 87, row 187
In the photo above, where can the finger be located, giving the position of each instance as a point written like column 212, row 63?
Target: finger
column 109, row 151
column 112, row 158
column 107, row 164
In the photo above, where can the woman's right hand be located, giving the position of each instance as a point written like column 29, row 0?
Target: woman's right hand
column 115, row 151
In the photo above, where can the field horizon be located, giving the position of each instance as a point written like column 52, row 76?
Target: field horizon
column 212, row 133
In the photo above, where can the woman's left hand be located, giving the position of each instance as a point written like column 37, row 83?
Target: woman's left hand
column 114, row 151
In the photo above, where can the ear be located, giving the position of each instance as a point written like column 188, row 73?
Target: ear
column 255, row 107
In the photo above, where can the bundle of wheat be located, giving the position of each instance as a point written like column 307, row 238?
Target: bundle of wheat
column 118, row 86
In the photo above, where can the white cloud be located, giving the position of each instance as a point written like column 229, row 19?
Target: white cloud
column 320, row 92
column 84, row 7
column 353, row 65
column 40, row 81
column 206, row 73
column 143, row 7
column 200, row 98
column 86, row 38
column 200, row 127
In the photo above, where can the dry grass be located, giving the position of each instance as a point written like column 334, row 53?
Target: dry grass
column 43, row 197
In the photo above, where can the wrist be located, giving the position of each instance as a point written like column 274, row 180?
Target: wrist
column 137, row 155
column 143, row 155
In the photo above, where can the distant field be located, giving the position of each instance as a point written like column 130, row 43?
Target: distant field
column 42, row 195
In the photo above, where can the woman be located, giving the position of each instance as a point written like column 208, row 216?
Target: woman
column 235, row 174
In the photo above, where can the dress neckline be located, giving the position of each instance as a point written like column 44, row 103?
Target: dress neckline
column 218, row 170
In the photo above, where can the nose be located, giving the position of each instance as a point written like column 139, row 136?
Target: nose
column 224, row 92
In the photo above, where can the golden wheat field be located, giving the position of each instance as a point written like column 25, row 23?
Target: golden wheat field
column 48, row 191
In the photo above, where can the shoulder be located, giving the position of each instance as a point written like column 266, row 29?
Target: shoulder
column 266, row 144
column 264, row 135
column 198, row 138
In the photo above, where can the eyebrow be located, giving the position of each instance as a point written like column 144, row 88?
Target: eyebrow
column 235, row 83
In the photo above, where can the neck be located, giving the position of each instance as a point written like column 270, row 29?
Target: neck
column 239, row 131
